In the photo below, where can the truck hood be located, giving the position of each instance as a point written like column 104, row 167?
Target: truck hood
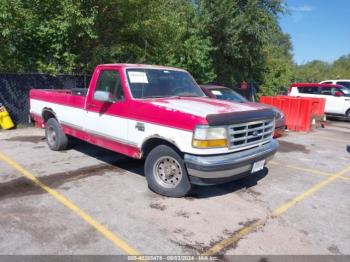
column 188, row 112
column 202, row 106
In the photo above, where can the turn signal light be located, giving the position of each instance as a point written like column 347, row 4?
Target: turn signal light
column 209, row 143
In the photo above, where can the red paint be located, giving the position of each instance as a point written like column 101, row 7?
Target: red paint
column 39, row 121
column 298, row 111
column 135, row 109
column 103, row 142
column 118, row 147
column 63, row 97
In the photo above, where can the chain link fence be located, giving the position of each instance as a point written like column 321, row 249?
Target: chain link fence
column 14, row 90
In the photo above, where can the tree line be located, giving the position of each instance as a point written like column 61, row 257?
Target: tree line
column 316, row 71
column 223, row 41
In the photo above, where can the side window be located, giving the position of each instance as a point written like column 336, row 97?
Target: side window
column 110, row 81
column 316, row 90
column 328, row 82
column 334, row 90
column 346, row 84
column 301, row 89
column 327, row 91
column 308, row 89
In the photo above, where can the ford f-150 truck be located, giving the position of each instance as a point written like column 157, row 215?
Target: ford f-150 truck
column 161, row 115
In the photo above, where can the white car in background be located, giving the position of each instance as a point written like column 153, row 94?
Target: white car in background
column 342, row 82
column 337, row 96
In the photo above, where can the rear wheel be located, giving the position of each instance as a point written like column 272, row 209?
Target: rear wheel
column 348, row 115
column 166, row 173
column 56, row 139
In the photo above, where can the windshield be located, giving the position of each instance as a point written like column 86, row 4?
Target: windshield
column 150, row 83
column 228, row 94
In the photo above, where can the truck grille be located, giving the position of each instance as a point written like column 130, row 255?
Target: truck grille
column 251, row 133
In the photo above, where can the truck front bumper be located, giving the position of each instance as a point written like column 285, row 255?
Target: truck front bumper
column 208, row 170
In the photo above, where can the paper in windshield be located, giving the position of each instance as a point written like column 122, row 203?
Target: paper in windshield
column 138, row 77
column 346, row 91
column 217, row 92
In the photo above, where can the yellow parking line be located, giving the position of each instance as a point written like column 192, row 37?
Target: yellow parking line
column 283, row 208
column 233, row 239
column 277, row 212
column 301, row 168
column 117, row 241
column 308, row 170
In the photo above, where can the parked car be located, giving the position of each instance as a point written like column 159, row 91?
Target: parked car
column 161, row 115
column 337, row 96
column 342, row 82
column 225, row 93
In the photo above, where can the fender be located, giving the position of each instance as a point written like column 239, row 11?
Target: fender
column 159, row 138
column 45, row 111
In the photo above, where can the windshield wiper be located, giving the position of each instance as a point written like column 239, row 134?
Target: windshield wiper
column 189, row 95
column 154, row 96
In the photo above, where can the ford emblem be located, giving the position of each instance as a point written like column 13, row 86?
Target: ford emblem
column 255, row 133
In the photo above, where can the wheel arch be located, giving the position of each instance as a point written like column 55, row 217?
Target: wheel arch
column 347, row 113
column 48, row 113
column 154, row 141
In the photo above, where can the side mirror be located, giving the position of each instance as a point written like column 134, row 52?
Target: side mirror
column 103, row 96
column 338, row 93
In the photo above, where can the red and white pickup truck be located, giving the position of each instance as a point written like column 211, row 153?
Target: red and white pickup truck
column 160, row 114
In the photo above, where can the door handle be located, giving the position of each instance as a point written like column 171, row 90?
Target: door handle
column 140, row 126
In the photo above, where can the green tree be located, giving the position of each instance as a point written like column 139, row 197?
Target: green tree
column 150, row 31
column 340, row 69
column 41, row 35
column 66, row 36
column 278, row 70
column 313, row 71
column 240, row 30
column 316, row 70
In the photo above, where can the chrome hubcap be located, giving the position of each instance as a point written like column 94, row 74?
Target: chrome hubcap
column 167, row 172
column 51, row 135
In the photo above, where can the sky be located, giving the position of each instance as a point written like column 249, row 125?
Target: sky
column 319, row 29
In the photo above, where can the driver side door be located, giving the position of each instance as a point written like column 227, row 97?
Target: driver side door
column 104, row 121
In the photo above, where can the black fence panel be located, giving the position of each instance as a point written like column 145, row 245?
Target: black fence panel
column 14, row 90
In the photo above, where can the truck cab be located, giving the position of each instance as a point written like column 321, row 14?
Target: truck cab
column 160, row 114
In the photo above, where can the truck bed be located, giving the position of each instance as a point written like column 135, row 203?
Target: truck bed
column 70, row 97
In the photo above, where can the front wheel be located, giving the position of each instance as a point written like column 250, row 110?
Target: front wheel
column 166, row 173
column 348, row 115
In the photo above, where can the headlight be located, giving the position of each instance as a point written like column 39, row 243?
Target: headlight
column 209, row 137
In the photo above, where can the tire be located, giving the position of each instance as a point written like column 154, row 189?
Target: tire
column 56, row 139
column 166, row 173
column 348, row 115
